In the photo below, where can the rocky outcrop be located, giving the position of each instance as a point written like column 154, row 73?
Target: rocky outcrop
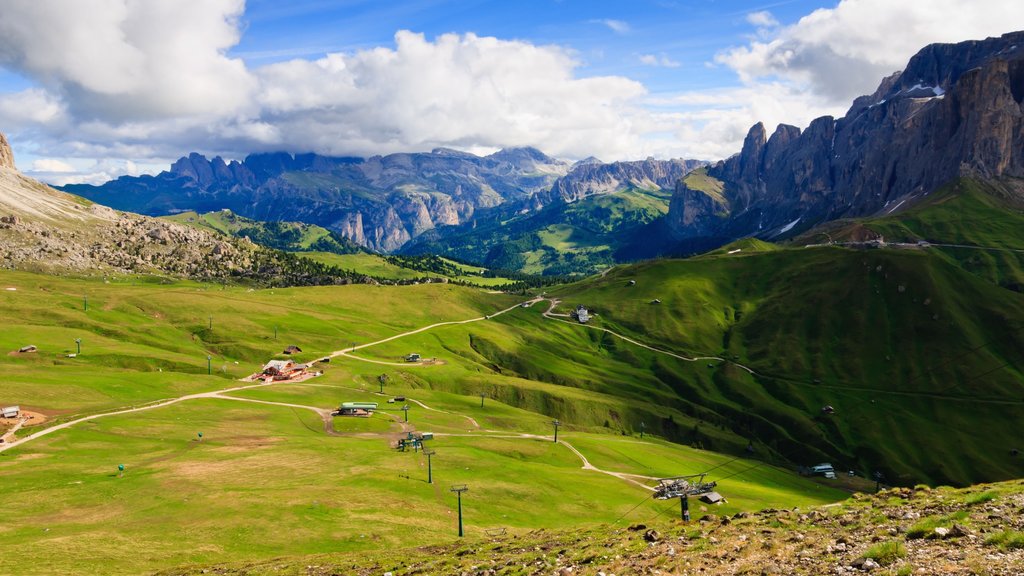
column 591, row 178
column 45, row 229
column 956, row 110
column 6, row 155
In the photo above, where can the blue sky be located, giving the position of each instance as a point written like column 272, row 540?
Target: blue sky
column 93, row 89
column 689, row 33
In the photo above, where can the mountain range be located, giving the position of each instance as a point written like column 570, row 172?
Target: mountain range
column 954, row 111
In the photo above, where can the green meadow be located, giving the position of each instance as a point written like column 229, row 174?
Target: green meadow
column 268, row 479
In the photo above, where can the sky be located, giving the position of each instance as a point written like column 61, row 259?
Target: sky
column 94, row 89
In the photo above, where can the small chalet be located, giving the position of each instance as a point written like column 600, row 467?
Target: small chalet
column 712, row 498
column 10, row 411
column 413, row 357
column 292, row 350
column 27, row 349
column 582, row 314
column 282, row 370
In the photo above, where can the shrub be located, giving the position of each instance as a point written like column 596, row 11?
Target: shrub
column 981, row 497
column 1007, row 539
column 886, row 553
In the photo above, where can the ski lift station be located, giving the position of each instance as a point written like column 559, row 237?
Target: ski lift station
column 364, row 409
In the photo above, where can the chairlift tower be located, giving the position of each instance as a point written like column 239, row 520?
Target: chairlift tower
column 556, row 424
column 459, row 489
column 430, row 471
column 406, row 410
column 683, row 487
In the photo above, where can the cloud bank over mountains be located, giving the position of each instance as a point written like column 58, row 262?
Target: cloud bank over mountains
column 107, row 81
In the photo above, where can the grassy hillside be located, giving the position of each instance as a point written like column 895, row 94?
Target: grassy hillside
column 985, row 221
column 288, row 236
column 266, row 480
column 920, row 359
column 575, row 238
column 894, row 528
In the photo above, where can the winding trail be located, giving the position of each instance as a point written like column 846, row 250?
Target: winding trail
column 346, row 351
column 219, row 393
column 158, row 404
column 631, row 478
column 558, row 318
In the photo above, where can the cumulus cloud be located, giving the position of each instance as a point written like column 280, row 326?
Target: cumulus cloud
column 460, row 90
column 150, row 81
column 51, row 165
column 843, row 52
column 658, row 60
column 61, row 173
column 762, row 19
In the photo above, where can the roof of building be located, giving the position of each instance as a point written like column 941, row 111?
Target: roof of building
column 711, row 497
column 279, row 365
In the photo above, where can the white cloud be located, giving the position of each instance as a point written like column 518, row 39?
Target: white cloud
column 617, row 26
column 150, row 81
column 59, row 173
column 51, row 165
column 762, row 19
column 843, row 52
column 658, row 60
column 461, row 90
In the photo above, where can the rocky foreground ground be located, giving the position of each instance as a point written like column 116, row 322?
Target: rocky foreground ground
column 898, row 532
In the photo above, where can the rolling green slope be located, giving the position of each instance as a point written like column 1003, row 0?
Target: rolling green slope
column 266, row 480
column 980, row 223
column 288, row 236
column 560, row 239
column 920, row 359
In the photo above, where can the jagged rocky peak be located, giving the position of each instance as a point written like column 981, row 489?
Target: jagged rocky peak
column 6, row 155
column 520, row 154
column 451, row 152
column 957, row 109
column 587, row 160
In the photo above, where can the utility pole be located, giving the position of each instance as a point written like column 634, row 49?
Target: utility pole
column 430, row 471
column 406, row 410
column 78, row 344
column 382, row 379
column 85, row 302
column 643, row 427
column 482, row 399
column 209, row 365
column 459, row 489
column 275, row 332
column 556, row 424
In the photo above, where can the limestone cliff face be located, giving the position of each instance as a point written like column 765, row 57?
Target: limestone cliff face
column 956, row 109
column 591, row 178
column 380, row 202
column 6, row 155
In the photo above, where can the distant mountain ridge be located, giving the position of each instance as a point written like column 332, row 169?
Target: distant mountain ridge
column 955, row 111
column 382, row 202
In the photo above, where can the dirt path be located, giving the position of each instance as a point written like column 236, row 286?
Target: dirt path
column 345, row 351
column 631, row 478
column 552, row 316
column 157, row 404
